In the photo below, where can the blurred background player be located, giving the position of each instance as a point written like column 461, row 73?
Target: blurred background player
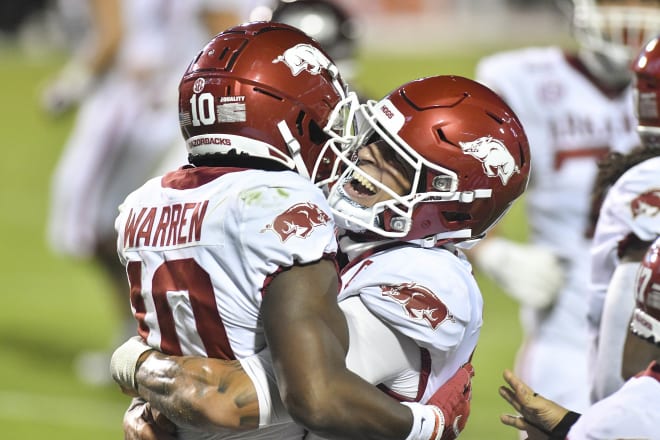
column 123, row 78
column 632, row 410
column 327, row 22
column 628, row 221
column 575, row 108
column 412, row 304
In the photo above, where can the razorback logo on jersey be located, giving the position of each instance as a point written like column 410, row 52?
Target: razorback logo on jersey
column 418, row 302
column 299, row 220
column 646, row 204
column 304, row 57
column 493, row 155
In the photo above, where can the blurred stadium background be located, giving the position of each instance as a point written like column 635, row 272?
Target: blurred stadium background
column 52, row 308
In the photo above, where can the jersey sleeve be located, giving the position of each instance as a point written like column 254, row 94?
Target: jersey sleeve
column 286, row 224
column 631, row 412
column 376, row 352
column 430, row 300
column 634, row 202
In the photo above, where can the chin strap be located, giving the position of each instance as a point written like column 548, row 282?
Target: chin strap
column 294, row 148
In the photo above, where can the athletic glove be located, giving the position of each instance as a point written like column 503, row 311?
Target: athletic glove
column 529, row 273
column 446, row 412
column 67, row 89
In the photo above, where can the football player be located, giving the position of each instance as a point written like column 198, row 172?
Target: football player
column 575, row 108
column 328, row 23
column 235, row 252
column 407, row 204
column 629, row 220
column 122, row 85
column 631, row 411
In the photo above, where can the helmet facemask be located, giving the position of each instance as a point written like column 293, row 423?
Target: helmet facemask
column 353, row 216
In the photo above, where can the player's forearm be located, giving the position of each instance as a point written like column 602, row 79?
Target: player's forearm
column 307, row 336
column 321, row 394
column 207, row 394
column 361, row 411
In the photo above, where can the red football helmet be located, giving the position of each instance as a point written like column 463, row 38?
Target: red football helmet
column 646, row 316
column 647, row 91
column 468, row 151
column 266, row 90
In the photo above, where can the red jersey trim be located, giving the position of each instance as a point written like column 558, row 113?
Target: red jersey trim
column 188, row 177
column 424, row 372
column 326, row 256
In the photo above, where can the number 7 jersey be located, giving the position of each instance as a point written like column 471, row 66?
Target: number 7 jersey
column 201, row 244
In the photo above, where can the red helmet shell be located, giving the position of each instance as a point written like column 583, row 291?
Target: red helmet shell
column 465, row 127
column 247, row 80
column 647, row 89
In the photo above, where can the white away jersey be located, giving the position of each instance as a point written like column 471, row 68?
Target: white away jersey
column 630, row 413
column 200, row 245
column 427, row 296
column 631, row 207
column 570, row 123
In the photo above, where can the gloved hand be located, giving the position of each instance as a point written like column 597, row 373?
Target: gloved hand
column 453, row 398
column 68, row 88
column 529, row 273
column 446, row 412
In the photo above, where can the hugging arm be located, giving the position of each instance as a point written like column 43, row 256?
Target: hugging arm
column 308, row 339
column 309, row 334
column 203, row 393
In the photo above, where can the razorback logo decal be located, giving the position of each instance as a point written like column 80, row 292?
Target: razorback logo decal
column 646, row 204
column 299, row 220
column 418, row 302
column 303, row 57
column 494, row 157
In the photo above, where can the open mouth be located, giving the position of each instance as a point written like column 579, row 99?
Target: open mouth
column 361, row 185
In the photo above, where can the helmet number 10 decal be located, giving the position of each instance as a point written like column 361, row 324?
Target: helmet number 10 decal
column 201, row 107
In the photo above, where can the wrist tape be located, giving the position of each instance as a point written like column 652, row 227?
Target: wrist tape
column 123, row 363
column 428, row 422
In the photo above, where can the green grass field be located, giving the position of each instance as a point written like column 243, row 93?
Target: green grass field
column 51, row 308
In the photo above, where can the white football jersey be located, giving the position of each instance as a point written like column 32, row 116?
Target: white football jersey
column 631, row 208
column 128, row 122
column 429, row 300
column 630, row 413
column 570, row 123
column 200, row 246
